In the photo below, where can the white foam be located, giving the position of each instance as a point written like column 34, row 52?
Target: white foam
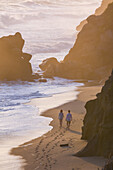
column 56, row 100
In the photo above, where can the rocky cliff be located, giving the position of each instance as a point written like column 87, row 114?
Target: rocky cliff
column 14, row 64
column 92, row 54
column 103, row 6
column 98, row 11
column 98, row 123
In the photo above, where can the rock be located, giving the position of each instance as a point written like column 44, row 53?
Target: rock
column 42, row 80
column 14, row 63
column 49, row 66
column 81, row 25
column 103, row 6
column 47, row 62
column 98, row 123
column 92, row 54
column 98, row 11
column 109, row 165
column 36, row 76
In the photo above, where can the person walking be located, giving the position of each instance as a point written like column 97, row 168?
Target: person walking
column 60, row 117
column 68, row 119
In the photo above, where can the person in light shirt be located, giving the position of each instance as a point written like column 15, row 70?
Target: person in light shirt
column 68, row 119
column 60, row 117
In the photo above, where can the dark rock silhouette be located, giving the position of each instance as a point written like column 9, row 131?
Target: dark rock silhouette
column 92, row 54
column 14, row 64
column 98, row 11
column 109, row 165
column 98, row 123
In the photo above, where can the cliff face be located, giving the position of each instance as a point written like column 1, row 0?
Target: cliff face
column 92, row 54
column 103, row 6
column 98, row 11
column 14, row 64
column 98, row 123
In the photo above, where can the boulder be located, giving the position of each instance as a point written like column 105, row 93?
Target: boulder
column 48, row 62
column 42, row 80
column 49, row 66
column 14, row 63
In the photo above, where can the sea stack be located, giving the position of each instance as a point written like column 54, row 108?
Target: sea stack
column 14, row 63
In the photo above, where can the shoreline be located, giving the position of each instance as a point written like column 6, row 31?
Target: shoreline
column 45, row 152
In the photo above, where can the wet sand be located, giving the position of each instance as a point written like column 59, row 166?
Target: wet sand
column 45, row 153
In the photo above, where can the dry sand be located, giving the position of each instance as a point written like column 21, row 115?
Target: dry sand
column 45, row 153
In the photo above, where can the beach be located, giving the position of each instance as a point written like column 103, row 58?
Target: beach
column 48, row 28
column 46, row 153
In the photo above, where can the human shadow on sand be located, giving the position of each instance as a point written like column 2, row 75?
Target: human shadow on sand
column 73, row 131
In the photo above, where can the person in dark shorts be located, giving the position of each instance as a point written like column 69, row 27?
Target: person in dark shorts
column 60, row 117
column 68, row 119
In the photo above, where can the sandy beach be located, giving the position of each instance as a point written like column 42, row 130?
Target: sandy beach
column 45, row 153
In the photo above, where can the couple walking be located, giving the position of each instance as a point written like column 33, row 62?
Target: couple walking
column 68, row 118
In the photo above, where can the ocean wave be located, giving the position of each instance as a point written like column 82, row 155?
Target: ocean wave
column 35, row 3
column 39, row 3
column 48, row 3
column 13, row 94
column 51, row 48
column 58, row 2
column 15, row 100
column 7, row 20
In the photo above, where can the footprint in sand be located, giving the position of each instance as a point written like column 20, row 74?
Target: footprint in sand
column 55, row 137
column 54, row 161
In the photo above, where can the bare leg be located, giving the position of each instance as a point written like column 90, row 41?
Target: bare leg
column 60, row 123
column 67, row 124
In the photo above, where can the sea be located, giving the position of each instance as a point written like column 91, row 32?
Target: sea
column 49, row 30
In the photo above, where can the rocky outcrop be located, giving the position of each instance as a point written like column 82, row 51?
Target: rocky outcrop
column 98, row 123
column 14, row 63
column 80, row 26
column 98, row 11
column 42, row 80
column 49, row 65
column 92, row 54
column 108, row 166
column 103, row 6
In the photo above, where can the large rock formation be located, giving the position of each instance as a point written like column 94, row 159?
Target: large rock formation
column 98, row 11
column 103, row 6
column 92, row 54
column 98, row 123
column 14, row 64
